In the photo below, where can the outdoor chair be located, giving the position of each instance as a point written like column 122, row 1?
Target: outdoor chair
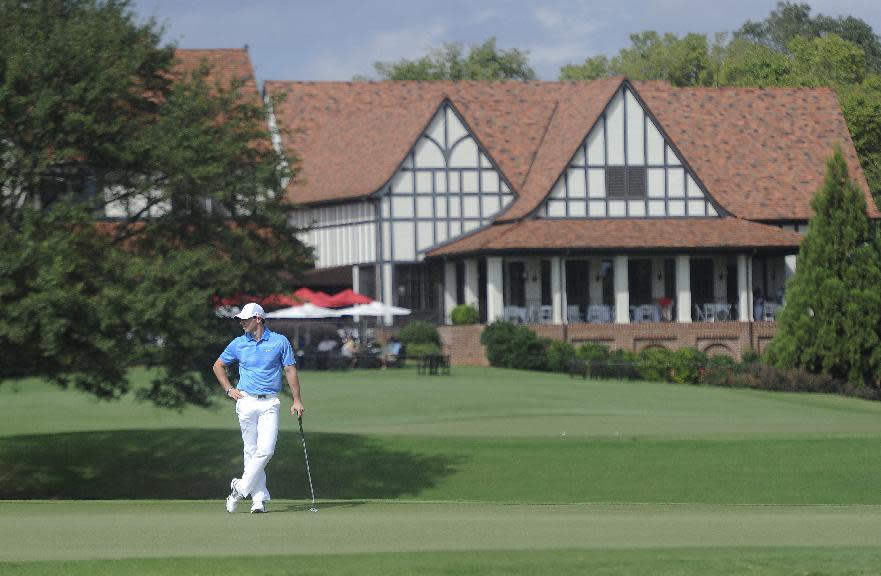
column 546, row 314
column 515, row 314
column 599, row 313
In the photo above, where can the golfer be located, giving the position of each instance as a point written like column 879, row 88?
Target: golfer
column 262, row 356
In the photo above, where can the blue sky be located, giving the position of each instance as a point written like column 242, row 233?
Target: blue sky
column 338, row 39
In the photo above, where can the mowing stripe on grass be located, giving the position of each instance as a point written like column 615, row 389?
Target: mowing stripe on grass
column 197, row 464
column 104, row 530
column 629, row 562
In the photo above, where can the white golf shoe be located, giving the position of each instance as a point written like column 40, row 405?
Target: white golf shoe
column 232, row 501
column 258, row 508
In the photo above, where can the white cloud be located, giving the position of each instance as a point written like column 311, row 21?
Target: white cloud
column 410, row 43
column 547, row 17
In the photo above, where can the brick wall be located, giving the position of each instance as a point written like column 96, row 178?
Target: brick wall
column 714, row 338
column 463, row 344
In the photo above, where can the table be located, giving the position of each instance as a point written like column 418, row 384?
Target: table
column 434, row 364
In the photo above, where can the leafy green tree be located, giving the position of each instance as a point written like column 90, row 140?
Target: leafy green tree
column 789, row 21
column 593, row 68
column 483, row 62
column 681, row 61
column 861, row 104
column 832, row 319
column 93, row 113
column 752, row 64
column 685, row 61
column 826, row 61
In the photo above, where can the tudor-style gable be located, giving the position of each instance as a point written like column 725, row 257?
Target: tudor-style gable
column 626, row 167
column 446, row 186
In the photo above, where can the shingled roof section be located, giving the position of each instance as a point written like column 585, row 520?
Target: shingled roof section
column 351, row 137
column 622, row 235
column 226, row 65
column 760, row 153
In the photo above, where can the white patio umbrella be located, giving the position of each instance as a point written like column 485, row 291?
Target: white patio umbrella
column 304, row 311
column 375, row 308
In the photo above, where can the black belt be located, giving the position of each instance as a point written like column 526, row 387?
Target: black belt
column 265, row 396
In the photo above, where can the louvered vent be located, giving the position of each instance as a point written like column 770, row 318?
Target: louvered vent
column 616, row 181
column 626, row 181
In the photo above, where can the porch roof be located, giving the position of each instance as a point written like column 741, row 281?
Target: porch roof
column 676, row 234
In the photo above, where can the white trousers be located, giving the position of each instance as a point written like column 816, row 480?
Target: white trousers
column 258, row 419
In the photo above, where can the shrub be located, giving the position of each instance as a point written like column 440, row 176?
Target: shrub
column 532, row 351
column 511, row 346
column 621, row 356
column 750, row 357
column 687, row 365
column 592, row 352
column 655, row 364
column 498, row 338
column 419, row 333
column 560, row 356
column 465, row 314
column 720, row 362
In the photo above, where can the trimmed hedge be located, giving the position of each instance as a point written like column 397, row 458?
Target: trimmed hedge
column 513, row 346
column 560, row 356
column 419, row 332
column 761, row 376
column 509, row 345
column 465, row 314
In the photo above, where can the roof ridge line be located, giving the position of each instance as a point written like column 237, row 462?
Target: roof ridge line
column 540, row 143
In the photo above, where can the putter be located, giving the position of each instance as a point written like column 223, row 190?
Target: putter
column 308, row 473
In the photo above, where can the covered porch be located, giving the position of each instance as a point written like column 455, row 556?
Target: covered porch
column 633, row 271
column 620, row 289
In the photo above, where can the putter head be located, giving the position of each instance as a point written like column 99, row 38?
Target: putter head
column 313, row 509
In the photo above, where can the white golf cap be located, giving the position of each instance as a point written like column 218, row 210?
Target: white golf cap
column 250, row 310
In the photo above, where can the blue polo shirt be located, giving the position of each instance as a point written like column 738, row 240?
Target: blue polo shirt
column 260, row 361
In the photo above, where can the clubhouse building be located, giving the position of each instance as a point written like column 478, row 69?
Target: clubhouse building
column 631, row 213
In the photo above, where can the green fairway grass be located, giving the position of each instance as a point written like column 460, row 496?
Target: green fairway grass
column 436, row 538
column 447, row 475
column 612, row 562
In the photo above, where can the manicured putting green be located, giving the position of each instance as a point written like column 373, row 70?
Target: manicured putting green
column 107, row 530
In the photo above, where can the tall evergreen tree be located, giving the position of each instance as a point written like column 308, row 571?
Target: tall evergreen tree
column 832, row 319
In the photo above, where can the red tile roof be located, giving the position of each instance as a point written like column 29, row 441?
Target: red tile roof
column 623, row 234
column 226, row 65
column 760, row 152
column 351, row 137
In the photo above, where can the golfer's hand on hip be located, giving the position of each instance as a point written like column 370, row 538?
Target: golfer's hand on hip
column 297, row 409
